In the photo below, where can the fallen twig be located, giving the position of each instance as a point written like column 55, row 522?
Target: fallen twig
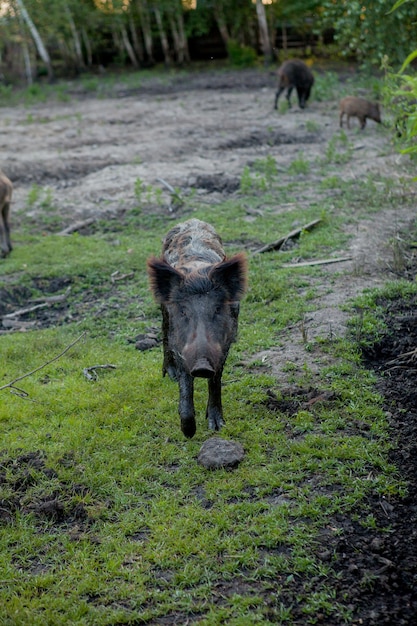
column 171, row 189
column 29, row 309
column 93, row 368
column 77, row 226
column 405, row 359
column 17, row 324
column 116, row 276
column 276, row 245
column 53, row 299
column 12, row 383
column 10, row 319
column 320, row 262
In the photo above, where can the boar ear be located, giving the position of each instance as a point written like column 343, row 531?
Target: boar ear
column 163, row 278
column 231, row 274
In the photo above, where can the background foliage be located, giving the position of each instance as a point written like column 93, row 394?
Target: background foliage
column 65, row 37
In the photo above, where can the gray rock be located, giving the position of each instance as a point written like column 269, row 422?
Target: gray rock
column 216, row 453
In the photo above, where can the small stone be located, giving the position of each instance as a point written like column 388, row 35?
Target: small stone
column 216, row 453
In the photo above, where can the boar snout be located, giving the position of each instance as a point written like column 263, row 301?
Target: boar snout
column 202, row 369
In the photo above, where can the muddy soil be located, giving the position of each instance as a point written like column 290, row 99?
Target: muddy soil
column 198, row 133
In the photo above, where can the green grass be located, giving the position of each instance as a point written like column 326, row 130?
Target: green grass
column 143, row 531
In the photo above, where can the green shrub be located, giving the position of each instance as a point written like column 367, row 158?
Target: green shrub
column 240, row 55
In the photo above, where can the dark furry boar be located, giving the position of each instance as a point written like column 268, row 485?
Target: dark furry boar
column 6, row 189
column 294, row 74
column 360, row 108
column 199, row 290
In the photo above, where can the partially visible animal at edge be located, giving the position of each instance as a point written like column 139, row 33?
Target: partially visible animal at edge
column 6, row 189
column 360, row 108
column 294, row 74
column 199, row 290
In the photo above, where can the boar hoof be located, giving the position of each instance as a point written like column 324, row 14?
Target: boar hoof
column 215, row 420
column 188, row 427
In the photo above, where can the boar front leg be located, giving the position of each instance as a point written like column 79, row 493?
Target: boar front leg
column 214, row 412
column 186, row 404
column 5, row 245
column 169, row 366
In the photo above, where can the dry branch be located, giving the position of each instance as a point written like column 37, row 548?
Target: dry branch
column 77, row 226
column 171, row 189
column 407, row 359
column 319, row 262
column 93, row 375
column 16, row 380
column 17, row 324
column 29, row 309
column 52, row 299
column 10, row 319
column 276, row 245
column 116, row 276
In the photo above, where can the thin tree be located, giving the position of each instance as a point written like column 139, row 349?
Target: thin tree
column 263, row 32
column 163, row 36
column 145, row 24
column 75, row 36
column 40, row 46
column 26, row 52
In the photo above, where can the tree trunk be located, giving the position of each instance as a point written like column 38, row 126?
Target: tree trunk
column 163, row 37
column 176, row 38
column 137, row 43
column 221, row 23
column 263, row 32
column 26, row 53
column 87, row 46
column 128, row 46
column 284, row 38
column 181, row 32
column 76, row 38
column 118, row 43
column 43, row 53
column 145, row 23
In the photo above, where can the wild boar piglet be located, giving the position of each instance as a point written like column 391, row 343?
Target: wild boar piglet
column 360, row 108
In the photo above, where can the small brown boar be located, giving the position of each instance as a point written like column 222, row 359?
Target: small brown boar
column 199, row 290
column 6, row 189
column 360, row 108
column 294, row 73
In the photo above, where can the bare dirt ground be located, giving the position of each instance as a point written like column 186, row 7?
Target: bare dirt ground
column 200, row 132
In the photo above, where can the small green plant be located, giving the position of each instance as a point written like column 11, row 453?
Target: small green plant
column 33, row 195
column 338, row 150
column 326, row 86
column 6, row 92
column 35, row 93
column 41, row 196
column 147, row 194
column 268, row 167
column 299, row 166
column 139, row 190
column 330, row 182
column 246, row 181
column 91, row 84
column 312, row 126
